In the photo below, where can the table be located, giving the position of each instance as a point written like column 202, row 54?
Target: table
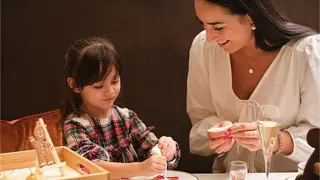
column 251, row 176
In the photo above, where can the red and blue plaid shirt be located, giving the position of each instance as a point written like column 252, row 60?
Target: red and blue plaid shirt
column 122, row 137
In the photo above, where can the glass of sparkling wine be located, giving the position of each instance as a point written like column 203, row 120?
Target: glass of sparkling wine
column 238, row 170
column 269, row 129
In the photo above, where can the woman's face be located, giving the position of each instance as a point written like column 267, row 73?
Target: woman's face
column 232, row 32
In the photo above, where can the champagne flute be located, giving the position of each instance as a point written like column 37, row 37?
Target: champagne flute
column 248, row 114
column 269, row 129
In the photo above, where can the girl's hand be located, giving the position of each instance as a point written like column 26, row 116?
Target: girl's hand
column 246, row 135
column 168, row 147
column 220, row 140
column 155, row 164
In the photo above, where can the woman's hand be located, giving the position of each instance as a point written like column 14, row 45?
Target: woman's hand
column 153, row 165
column 168, row 147
column 246, row 135
column 220, row 141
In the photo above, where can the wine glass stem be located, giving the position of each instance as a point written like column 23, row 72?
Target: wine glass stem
column 267, row 167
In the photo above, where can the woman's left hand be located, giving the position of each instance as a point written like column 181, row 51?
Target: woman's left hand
column 168, row 147
column 246, row 135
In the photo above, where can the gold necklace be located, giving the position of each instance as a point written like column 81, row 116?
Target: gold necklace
column 251, row 70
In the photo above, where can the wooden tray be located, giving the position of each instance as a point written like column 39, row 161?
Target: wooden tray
column 19, row 161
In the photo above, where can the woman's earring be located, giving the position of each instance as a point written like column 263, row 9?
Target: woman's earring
column 253, row 26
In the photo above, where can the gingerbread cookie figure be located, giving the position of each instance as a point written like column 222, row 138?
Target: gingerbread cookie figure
column 42, row 147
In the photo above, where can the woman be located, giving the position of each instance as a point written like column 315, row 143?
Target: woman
column 247, row 51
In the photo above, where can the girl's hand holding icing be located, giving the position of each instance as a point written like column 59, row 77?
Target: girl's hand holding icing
column 155, row 164
column 168, row 147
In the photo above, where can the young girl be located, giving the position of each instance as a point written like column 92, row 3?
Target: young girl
column 113, row 137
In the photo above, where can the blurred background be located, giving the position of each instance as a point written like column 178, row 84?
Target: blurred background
column 153, row 40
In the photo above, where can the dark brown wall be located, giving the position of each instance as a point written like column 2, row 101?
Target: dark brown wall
column 0, row 54
column 153, row 40
column 304, row 12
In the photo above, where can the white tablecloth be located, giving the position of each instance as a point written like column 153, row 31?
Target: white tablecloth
column 251, row 176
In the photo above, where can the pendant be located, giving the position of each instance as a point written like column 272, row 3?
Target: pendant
column 251, row 71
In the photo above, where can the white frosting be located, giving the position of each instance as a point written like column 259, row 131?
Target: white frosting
column 219, row 129
column 156, row 150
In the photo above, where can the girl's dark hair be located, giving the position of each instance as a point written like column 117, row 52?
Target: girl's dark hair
column 272, row 30
column 87, row 61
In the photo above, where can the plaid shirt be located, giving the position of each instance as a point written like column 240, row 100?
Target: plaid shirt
column 122, row 137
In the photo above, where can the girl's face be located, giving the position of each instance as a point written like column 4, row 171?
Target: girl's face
column 231, row 32
column 100, row 96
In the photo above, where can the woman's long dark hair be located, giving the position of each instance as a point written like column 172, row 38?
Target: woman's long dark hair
column 272, row 30
column 87, row 61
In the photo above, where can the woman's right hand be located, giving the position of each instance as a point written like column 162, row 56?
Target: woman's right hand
column 220, row 141
column 155, row 164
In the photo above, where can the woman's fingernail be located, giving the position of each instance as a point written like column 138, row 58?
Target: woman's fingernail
column 226, row 133
column 230, row 131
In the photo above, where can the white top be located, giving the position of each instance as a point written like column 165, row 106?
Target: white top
column 292, row 82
